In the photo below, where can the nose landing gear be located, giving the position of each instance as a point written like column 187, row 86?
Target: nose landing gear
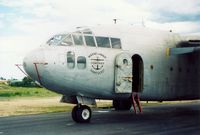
column 81, row 114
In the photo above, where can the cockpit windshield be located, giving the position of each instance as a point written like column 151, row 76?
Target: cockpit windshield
column 85, row 37
column 56, row 39
column 67, row 40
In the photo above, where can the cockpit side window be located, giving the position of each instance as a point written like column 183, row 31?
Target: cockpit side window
column 81, row 62
column 103, row 42
column 116, row 43
column 67, row 41
column 70, row 59
column 89, row 41
column 78, row 39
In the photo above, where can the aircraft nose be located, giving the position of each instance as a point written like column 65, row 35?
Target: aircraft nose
column 31, row 62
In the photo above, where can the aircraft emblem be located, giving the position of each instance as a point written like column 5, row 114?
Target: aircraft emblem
column 97, row 61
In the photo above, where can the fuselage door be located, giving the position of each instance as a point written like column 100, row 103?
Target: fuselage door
column 123, row 73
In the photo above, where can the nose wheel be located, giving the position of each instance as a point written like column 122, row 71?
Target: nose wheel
column 81, row 114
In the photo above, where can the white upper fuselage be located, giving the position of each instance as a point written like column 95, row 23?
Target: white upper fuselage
column 89, row 71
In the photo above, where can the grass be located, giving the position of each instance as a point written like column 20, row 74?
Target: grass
column 42, row 109
column 14, row 92
column 23, row 106
column 21, row 101
column 24, row 100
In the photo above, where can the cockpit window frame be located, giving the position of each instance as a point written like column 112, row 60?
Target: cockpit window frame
column 88, row 35
column 87, row 31
column 83, row 35
column 111, row 43
column 99, row 43
column 72, row 41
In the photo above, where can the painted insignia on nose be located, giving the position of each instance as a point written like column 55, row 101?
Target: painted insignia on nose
column 97, row 61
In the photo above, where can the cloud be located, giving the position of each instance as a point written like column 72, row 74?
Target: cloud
column 176, row 6
column 170, row 10
column 53, row 16
column 91, row 10
column 13, row 50
column 19, row 45
column 1, row 25
column 2, row 15
column 173, row 17
column 177, row 27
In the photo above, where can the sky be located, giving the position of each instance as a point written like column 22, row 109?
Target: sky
column 26, row 24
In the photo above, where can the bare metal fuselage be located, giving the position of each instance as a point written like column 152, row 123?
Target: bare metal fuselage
column 165, row 77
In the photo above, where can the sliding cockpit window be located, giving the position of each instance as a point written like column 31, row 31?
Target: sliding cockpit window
column 90, row 41
column 56, row 39
column 103, row 42
column 116, row 43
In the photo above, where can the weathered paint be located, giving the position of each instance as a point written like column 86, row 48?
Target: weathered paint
column 170, row 78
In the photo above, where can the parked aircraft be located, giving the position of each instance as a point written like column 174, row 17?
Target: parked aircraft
column 125, row 64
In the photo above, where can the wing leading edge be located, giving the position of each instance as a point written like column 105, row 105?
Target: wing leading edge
column 185, row 47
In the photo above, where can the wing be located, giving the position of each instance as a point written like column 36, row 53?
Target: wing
column 184, row 47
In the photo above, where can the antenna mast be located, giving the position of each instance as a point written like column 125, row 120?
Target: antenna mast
column 115, row 21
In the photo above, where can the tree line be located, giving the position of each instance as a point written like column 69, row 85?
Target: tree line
column 25, row 82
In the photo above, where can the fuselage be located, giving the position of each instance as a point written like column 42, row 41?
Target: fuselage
column 90, row 70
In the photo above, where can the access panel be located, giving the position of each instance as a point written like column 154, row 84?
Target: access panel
column 123, row 73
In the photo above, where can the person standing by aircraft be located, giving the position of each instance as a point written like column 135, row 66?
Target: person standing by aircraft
column 136, row 100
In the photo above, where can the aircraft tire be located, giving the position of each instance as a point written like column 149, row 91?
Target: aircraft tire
column 82, row 114
column 122, row 104
column 74, row 111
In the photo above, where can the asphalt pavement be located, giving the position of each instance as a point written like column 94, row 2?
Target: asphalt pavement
column 178, row 119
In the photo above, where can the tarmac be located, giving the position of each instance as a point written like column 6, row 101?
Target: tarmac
column 166, row 119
